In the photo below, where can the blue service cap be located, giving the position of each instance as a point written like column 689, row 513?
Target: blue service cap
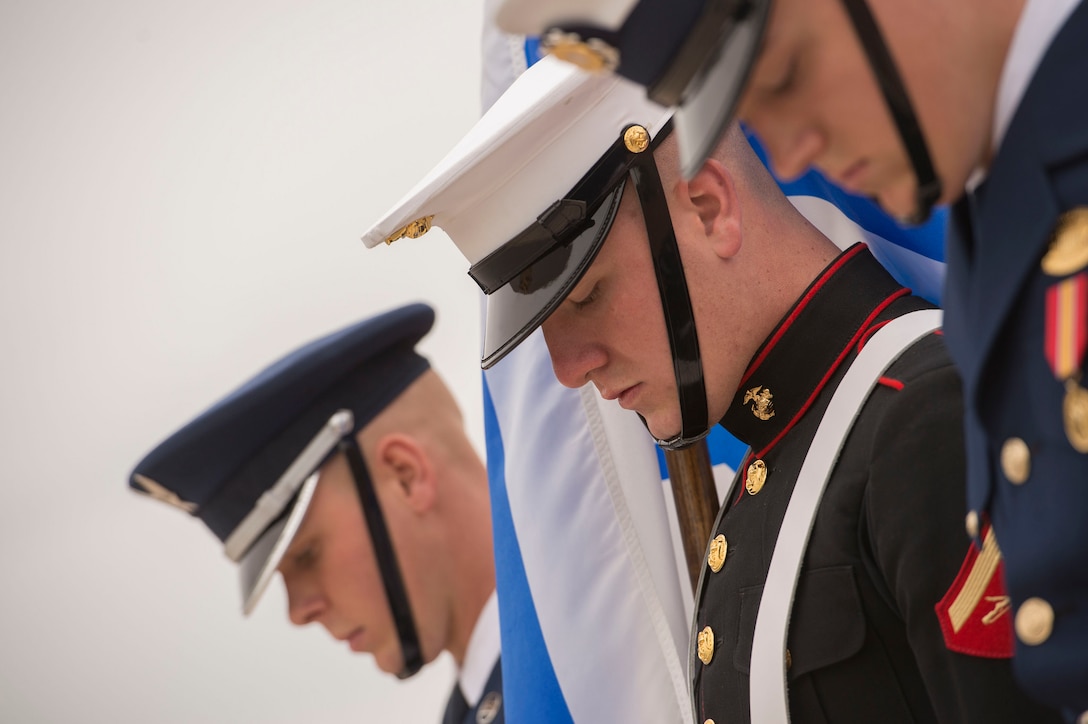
column 247, row 466
column 694, row 55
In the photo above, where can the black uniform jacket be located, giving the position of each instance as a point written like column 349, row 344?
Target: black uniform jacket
column 488, row 710
column 865, row 641
column 1000, row 324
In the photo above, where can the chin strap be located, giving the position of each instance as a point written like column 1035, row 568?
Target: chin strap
column 675, row 303
column 392, row 581
column 891, row 85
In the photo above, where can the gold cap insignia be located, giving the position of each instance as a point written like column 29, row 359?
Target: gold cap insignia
column 158, row 492
column 636, row 138
column 756, row 477
column 412, row 230
column 593, row 55
column 1068, row 250
column 762, row 406
column 489, row 708
column 705, row 645
column 715, row 557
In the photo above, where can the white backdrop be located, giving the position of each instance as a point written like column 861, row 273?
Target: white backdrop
column 182, row 187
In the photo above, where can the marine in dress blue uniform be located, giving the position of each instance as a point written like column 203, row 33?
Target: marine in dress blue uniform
column 884, row 625
column 249, row 467
column 897, row 617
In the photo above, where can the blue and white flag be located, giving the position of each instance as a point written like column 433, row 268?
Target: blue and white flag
column 594, row 599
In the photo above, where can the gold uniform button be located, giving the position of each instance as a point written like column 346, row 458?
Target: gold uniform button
column 756, row 477
column 489, row 708
column 709, row 721
column 1015, row 460
column 715, row 557
column 789, row 659
column 971, row 524
column 1034, row 621
column 636, row 138
column 705, row 645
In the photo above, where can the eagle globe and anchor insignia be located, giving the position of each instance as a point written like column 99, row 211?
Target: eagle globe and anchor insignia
column 761, row 399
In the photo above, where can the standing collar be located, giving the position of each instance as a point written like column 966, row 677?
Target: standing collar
column 795, row 362
column 482, row 653
column 1039, row 22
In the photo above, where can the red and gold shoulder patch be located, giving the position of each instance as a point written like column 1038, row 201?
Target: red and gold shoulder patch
column 975, row 613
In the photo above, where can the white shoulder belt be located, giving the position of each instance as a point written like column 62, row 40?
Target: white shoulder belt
column 769, row 698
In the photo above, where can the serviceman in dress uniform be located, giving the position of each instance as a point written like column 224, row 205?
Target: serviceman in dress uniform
column 977, row 103
column 345, row 466
column 713, row 300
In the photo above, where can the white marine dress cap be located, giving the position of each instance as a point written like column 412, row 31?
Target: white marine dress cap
column 524, row 184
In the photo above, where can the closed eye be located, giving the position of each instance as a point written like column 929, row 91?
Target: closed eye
column 588, row 299
column 305, row 558
column 787, row 80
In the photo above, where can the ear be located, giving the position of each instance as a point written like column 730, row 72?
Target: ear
column 411, row 467
column 712, row 195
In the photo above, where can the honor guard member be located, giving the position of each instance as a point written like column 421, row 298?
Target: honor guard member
column 345, row 466
column 713, row 301
column 915, row 104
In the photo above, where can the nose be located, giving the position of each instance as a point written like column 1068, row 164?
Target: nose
column 793, row 150
column 792, row 139
column 573, row 359
column 304, row 606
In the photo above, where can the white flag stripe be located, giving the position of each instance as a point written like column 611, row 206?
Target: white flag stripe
column 644, row 523
column 925, row 276
column 608, row 654
column 723, row 478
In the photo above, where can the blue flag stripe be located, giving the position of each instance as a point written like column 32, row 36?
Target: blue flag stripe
column 926, row 239
column 524, row 652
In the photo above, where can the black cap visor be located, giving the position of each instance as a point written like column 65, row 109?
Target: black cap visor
column 518, row 307
column 710, row 98
column 526, row 278
column 693, row 55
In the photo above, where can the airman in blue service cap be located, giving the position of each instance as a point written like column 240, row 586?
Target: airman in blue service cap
column 347, row 445
column 243, row 464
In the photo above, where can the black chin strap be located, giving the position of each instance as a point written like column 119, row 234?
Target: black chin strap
column 928, row 190
column 395, row 592
column 675, row 302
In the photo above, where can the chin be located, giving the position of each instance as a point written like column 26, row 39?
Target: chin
column 900, row 201
column 389, row 662
column 663, row 429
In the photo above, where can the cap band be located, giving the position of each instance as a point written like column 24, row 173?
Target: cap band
column 275, row 500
